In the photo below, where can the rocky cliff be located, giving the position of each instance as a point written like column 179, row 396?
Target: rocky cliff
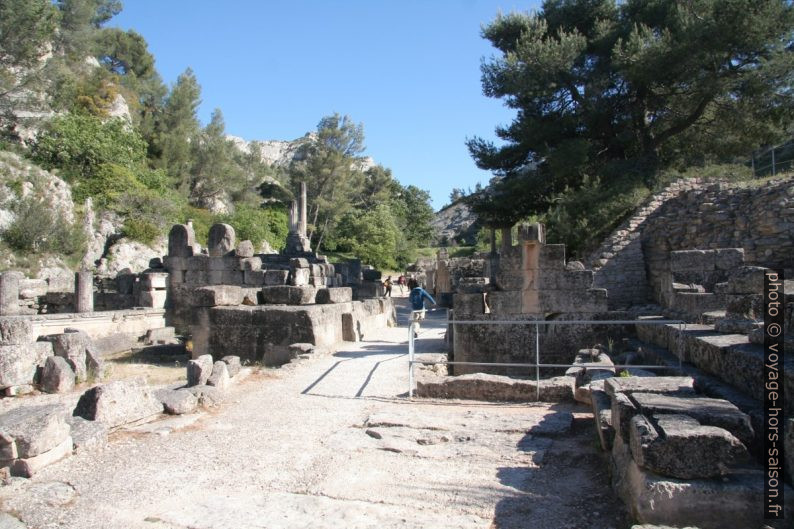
column 457, row 223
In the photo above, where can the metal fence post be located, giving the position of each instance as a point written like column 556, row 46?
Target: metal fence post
column 537, row 362
column 411, row 360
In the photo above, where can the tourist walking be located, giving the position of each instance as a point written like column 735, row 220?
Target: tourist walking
column 388, row 284
column 417, row 299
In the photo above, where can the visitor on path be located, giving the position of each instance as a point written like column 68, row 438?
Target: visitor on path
column 401, row 283
column 417, row 299
column 388, row 284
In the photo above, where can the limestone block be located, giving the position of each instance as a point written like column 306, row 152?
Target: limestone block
column 483, row 386
column 223, row 264
column 682, row 448
column 57, row 376
column 746, row 306
column 746, row 280
column 154, row 280
column 221, row 240
column 28, row 431
column 685, row 260
column 176, row 277
column 591, row 300
column 535, row 232
column 628, row 385
column 153, row 298
column 602, row 414
column 72, row 346
column 707, row 411
column 563, row 280
column 9, row 293
column 370, row 289
column 299, row 277
column 181, row 240
column 198, row 262
column 250, row 263
column 172, row 263
column 196, row 277
column 208, row 396
column 15, row 331
column 334, row 295
column 84, row 291
column 276, row 277
column 177, row 402
column 622, row 411
column 220, row 376
column 728, row 258
column 512, row 280
column 254, row 277
column 217, row 295
column 163, row 335
column 119, row 402
column 300, row 349
column 27, row 467
column 504, row 302
column 349, row 331
column 199, row 370
column 232, row 277
column 245, row 249
column 289, row 295
column 233, row 365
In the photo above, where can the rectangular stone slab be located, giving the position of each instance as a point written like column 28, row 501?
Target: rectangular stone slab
column 678, row 446
column 649, row 385
column 28, row 466
column 707, row 411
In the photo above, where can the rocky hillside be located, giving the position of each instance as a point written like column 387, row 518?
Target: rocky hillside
column 456, row 222
column 280, row 153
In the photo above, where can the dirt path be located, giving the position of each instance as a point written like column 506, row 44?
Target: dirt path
column 333, row 442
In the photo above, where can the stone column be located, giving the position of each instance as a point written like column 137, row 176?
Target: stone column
column 507, row 239
column 493, row 241
column 84, row 291
column 302, row 211
column 9, row 294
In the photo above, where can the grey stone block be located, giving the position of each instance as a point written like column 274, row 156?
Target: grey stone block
column 199, row 370
column 153, row 298
column 746, row 280
column 685, row 260
column 154, row 280
column 232, row 364
column 15, row 331
column 217, row 295
column 221, row 240
column 276, row 277
column 289, row 295
column 208, row 396
column 119, row 402
column 72, row 346
column 27, row 467
column 251, row 263
column 245, row 249
column 57, row 376
column 220, row 376
column 181, row 240
column 729, row 258
column 628, row 385
column 334, row 295
column 371, row 275
column 254, row 277
column 28, row 431
column 299, row 263
column 177, row 402
column 483, row 386
column 678, row 446
column 87, row 435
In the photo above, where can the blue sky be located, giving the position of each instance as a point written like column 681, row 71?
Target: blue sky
column 409, row 71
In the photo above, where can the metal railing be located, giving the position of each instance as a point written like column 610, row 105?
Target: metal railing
column 412, row 361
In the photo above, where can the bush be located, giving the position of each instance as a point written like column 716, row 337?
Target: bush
column 141, row 230
column 258, row 225
column 37, row 228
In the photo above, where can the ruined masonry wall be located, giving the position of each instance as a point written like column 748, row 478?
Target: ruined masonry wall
column 695, row 214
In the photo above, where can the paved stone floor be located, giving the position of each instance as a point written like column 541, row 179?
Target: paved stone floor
column 333, row 441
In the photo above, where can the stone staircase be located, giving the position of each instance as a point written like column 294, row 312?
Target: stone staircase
column 619, row 264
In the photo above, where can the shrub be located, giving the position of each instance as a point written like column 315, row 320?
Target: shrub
column 38, row 228
column 258, row 225
column 141, row 230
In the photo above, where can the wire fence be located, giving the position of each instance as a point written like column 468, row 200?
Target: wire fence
column 773, row 160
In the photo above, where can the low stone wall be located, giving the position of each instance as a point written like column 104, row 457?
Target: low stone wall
column 266, row 332
column 133, row 322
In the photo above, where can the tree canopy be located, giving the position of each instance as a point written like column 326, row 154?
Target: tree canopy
column 604, row 88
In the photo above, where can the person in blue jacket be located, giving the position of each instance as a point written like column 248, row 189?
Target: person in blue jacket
column 417, row 298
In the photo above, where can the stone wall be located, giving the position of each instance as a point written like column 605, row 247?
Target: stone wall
column 695, row 214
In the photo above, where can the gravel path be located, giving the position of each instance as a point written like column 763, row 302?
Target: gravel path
column 333, row 442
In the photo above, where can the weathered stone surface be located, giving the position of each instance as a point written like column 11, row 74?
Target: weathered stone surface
column 72, row 346
column 15, row 331
column 177, row 402
column 28, row 431
column 298, row 349
column 245, row 249
column 221, row 240
column 747, row 280
column 299, row 262
column 276, row 277
column 678, row 446
column 482, row 386
column 218, row 295
column 681, row 385
column 154, row 280
column 27, row 467
column 114, row 343
column 707, row 411
column 728, row 258
column 18, row 363
column 152, row 298
column 208, row 396
column 685, row 260
column 289, row 295
column 369, row 274
column 199, row 370
column 57, row 375
column 181, row 241
column 9, row 293
column 233, row 364
column 87, row 435
column 334, row 295
column 9, row 522
column 84, row 291
column 118, row 403
column 220, row 376
column 602, row 415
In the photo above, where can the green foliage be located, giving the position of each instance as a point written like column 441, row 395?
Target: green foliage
column 38, row 228
column 215, row 171
column 178, row 128
column 79, row 145
column 373, row 236
column 140, row 230
column 607, row 89
column 258, row 225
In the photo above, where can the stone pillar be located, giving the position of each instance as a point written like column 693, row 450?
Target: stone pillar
column 293, row 217
column 84, row 291
column 9, row 293
column 302, row 211
column 493, row 241
column 507, row 239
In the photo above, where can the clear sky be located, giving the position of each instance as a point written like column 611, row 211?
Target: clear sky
column 408, row 70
